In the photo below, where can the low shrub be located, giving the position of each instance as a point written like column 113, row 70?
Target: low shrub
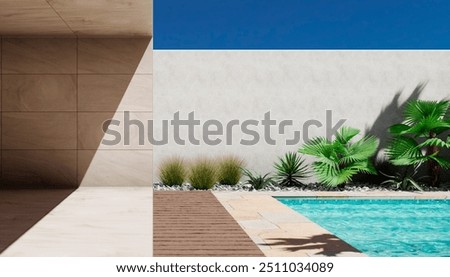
column 257, row 181
column 172, row 172
column 405, row 180
column 203, row 174
column 290, row 170
column 230, row 170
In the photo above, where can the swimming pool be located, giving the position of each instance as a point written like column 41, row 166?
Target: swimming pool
column 383, row 227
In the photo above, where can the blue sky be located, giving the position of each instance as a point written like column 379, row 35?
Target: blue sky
column 301, row 24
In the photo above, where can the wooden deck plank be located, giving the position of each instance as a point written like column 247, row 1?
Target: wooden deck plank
column 194, row 223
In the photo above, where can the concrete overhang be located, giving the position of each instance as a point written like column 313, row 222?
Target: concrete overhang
column 76, row 18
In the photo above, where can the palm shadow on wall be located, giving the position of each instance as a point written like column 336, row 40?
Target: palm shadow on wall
column 392, row 114
column 389, row 115
column 325, row 244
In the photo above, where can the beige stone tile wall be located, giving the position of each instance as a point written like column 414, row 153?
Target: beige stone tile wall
column 56, row 94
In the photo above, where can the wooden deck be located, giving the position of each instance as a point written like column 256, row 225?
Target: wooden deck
column 194, row 223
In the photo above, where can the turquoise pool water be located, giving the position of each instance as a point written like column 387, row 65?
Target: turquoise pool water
column 386, row 228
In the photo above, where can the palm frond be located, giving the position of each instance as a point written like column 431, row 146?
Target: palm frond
column 443, row 162
column 435, row 142
column 427, row 125
column 365, row 166
column 441, row 108
column 399, row 129
column 404, row 150
column 337, row 161
column 314, row 147
column 320, row 148
column 362, row 149
column 345, row 134
column 334, row 177
column 417, row 110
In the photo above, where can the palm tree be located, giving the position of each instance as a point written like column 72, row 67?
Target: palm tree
column 416, row 140
column 338, row 160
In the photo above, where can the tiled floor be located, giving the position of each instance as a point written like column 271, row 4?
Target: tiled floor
column 21, row 209
column 195, row 224
column 93, row 221
column 279, row 231
column 117, row 221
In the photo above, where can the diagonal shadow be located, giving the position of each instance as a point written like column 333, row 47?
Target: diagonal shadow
column 21, row 209
column 108, row 77
column 32, row 186
column 392, row 114
column 115, row 90
column 328, row 244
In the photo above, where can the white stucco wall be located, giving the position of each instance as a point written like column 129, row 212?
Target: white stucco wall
column 297, row 85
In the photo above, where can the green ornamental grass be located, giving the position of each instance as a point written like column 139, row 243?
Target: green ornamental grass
column 172, row 172
column 230, row 170
column 203, row 174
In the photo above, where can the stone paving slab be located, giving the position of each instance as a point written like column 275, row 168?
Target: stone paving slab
column 257, row 224
column 92, row 221
column 21, row 209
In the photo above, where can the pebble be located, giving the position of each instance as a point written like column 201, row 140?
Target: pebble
column 247, row 187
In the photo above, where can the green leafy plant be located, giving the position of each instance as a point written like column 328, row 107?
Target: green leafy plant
column 172, row 172
column 203, row 174
column 257, row 181
column 290, row 170
column 338, row 160
column 403, row 181
column 230, row 170
column 416, row 141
